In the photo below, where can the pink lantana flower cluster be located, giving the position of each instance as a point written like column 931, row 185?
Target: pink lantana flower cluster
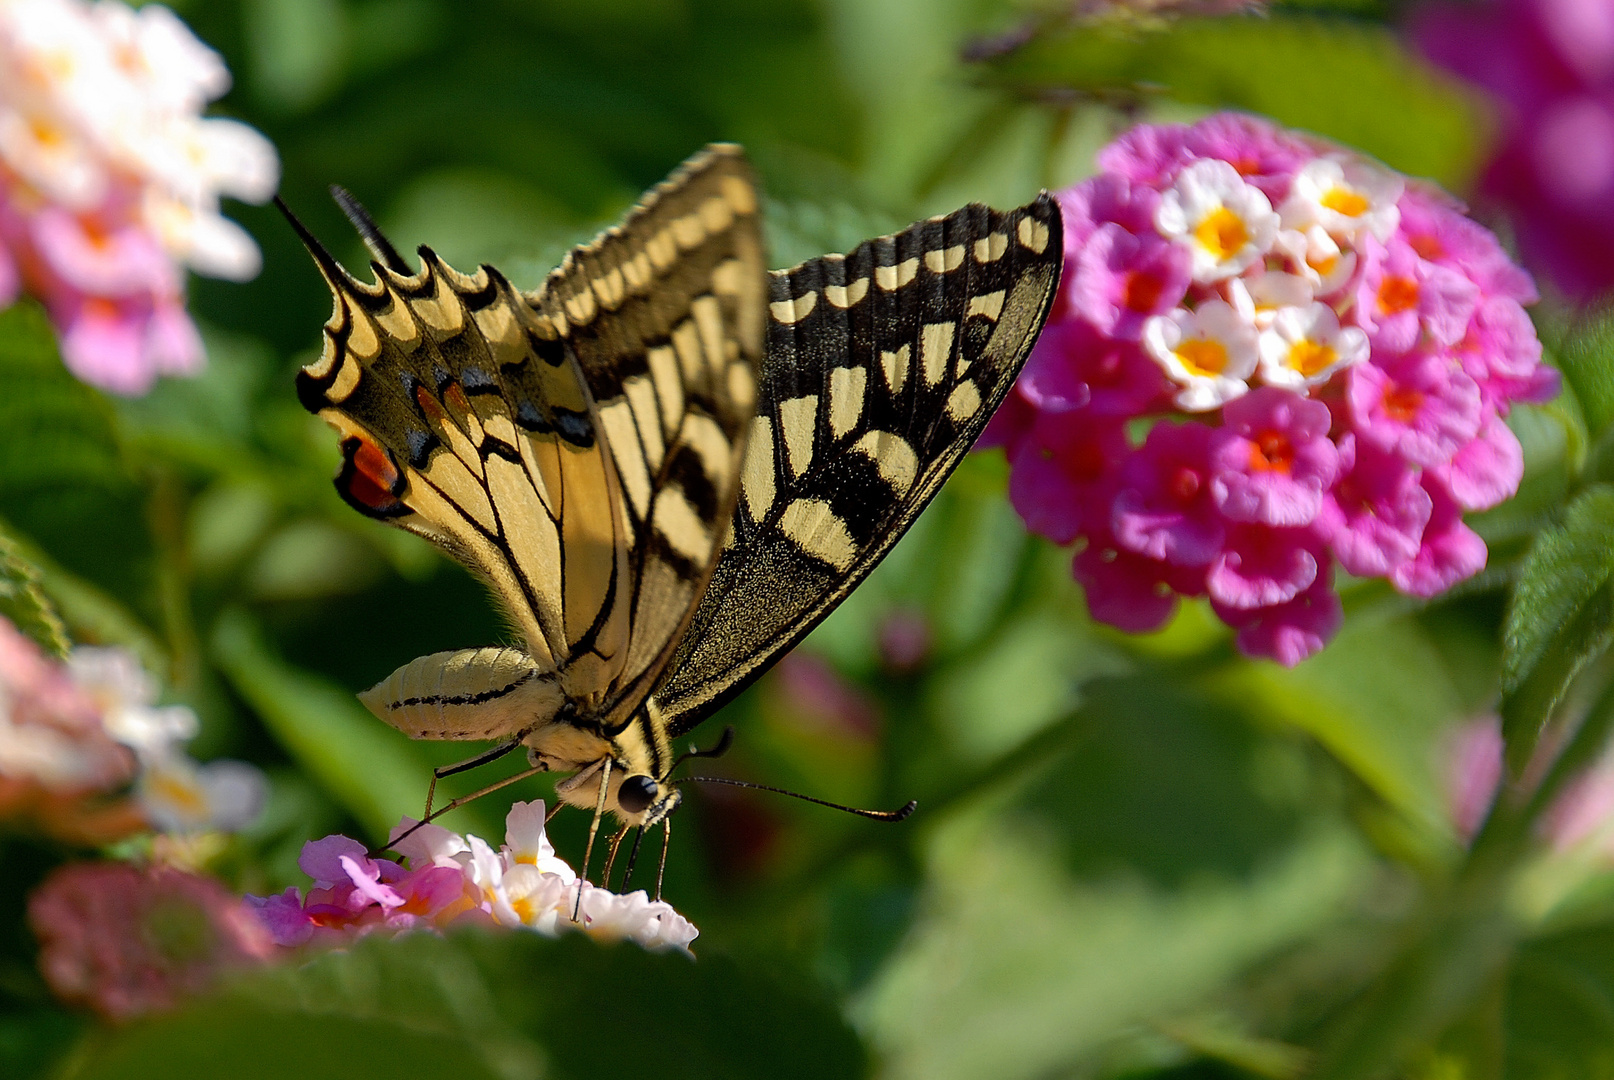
column 126, row 940
column 1323, row 353
column 110, row 181
column 448, row 878
column 88, row 756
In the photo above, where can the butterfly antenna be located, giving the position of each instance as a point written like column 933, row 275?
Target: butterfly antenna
column 379, row 245
column 718, row 749
column 874, row 815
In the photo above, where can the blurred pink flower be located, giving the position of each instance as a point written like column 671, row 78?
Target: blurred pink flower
column 1381, row 510
column 110, row 182
column 127, row 941
column 1473, row 771
column 1120, row 280
column 1549, row 66
column 1287, row 632
column 75, row 735
column 1450, row 551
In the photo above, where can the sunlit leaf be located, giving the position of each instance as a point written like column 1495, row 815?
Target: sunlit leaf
column 1348, row 80
column 1560, row 616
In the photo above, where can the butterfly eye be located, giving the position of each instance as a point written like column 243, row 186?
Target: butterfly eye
column 636, row 793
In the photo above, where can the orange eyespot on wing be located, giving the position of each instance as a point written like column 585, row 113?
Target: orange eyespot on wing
column 370, row 480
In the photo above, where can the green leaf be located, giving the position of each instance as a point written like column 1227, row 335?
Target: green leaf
column 1560, row 1007
column 502, row 1004
column 1586, row 358
column 59, row 432
column 93, row 616
column 1347, row 80
column 371, row 770
column 25, row 603
column 1560, row 616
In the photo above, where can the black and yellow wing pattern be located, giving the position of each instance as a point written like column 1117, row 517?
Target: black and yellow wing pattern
column 882, row 368
column 667, row 464
column 577, row 448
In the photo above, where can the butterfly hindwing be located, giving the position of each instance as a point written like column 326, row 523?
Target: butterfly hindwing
column 883, row 367
column 593, row 504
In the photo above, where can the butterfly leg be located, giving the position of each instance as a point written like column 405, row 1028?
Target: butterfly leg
column 633, row 857
column 484, row 758
column 455, row 804
column 593, row 830
column 666, row 842
column 610, row 857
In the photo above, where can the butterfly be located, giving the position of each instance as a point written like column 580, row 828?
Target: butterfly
column 667, row 463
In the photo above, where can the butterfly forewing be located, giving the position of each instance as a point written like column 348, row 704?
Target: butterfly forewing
column 882, row 368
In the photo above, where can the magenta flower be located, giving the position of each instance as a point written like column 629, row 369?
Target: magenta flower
column 1129, row 591
column 1487, row 470
column 1549, row 65
column 1064, row 476
column 1105, row 200
column 1421, row 407
column 1272, row 460
column 126, row 941
column 1115, row 377
column 1120, row 280
column 1328, row 384
column 1262, row 567
column 457, row 879
column 1380, row 511
column 1148, row 154
column 1164, row 510
column 1450, row 551
column 1434, row 225
column 1287, row 632
column 1501, row 352
column 1266, row 156
column 1401, row 297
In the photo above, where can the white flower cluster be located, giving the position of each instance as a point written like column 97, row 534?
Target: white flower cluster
column 525, row 884
column 1269, row 283
column 100, row 112
column 176, row 793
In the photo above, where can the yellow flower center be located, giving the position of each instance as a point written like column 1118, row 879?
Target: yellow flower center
column 1309, row 357
column 177, row 791
column 1344, row 201
column 1222, row 233
column 1202, row 357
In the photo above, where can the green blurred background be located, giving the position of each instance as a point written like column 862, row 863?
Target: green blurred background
column 1133, row 856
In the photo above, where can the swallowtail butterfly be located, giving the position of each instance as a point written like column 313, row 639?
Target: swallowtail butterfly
column 667, row 463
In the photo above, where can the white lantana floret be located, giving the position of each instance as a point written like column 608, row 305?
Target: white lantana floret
column 1316, row 256
column 1346, row 196
column 1226, row 224
column 1306, row 346
column 1210, row 352
column 1259, row 296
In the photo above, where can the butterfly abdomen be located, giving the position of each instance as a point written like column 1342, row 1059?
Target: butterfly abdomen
column 485, row 693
